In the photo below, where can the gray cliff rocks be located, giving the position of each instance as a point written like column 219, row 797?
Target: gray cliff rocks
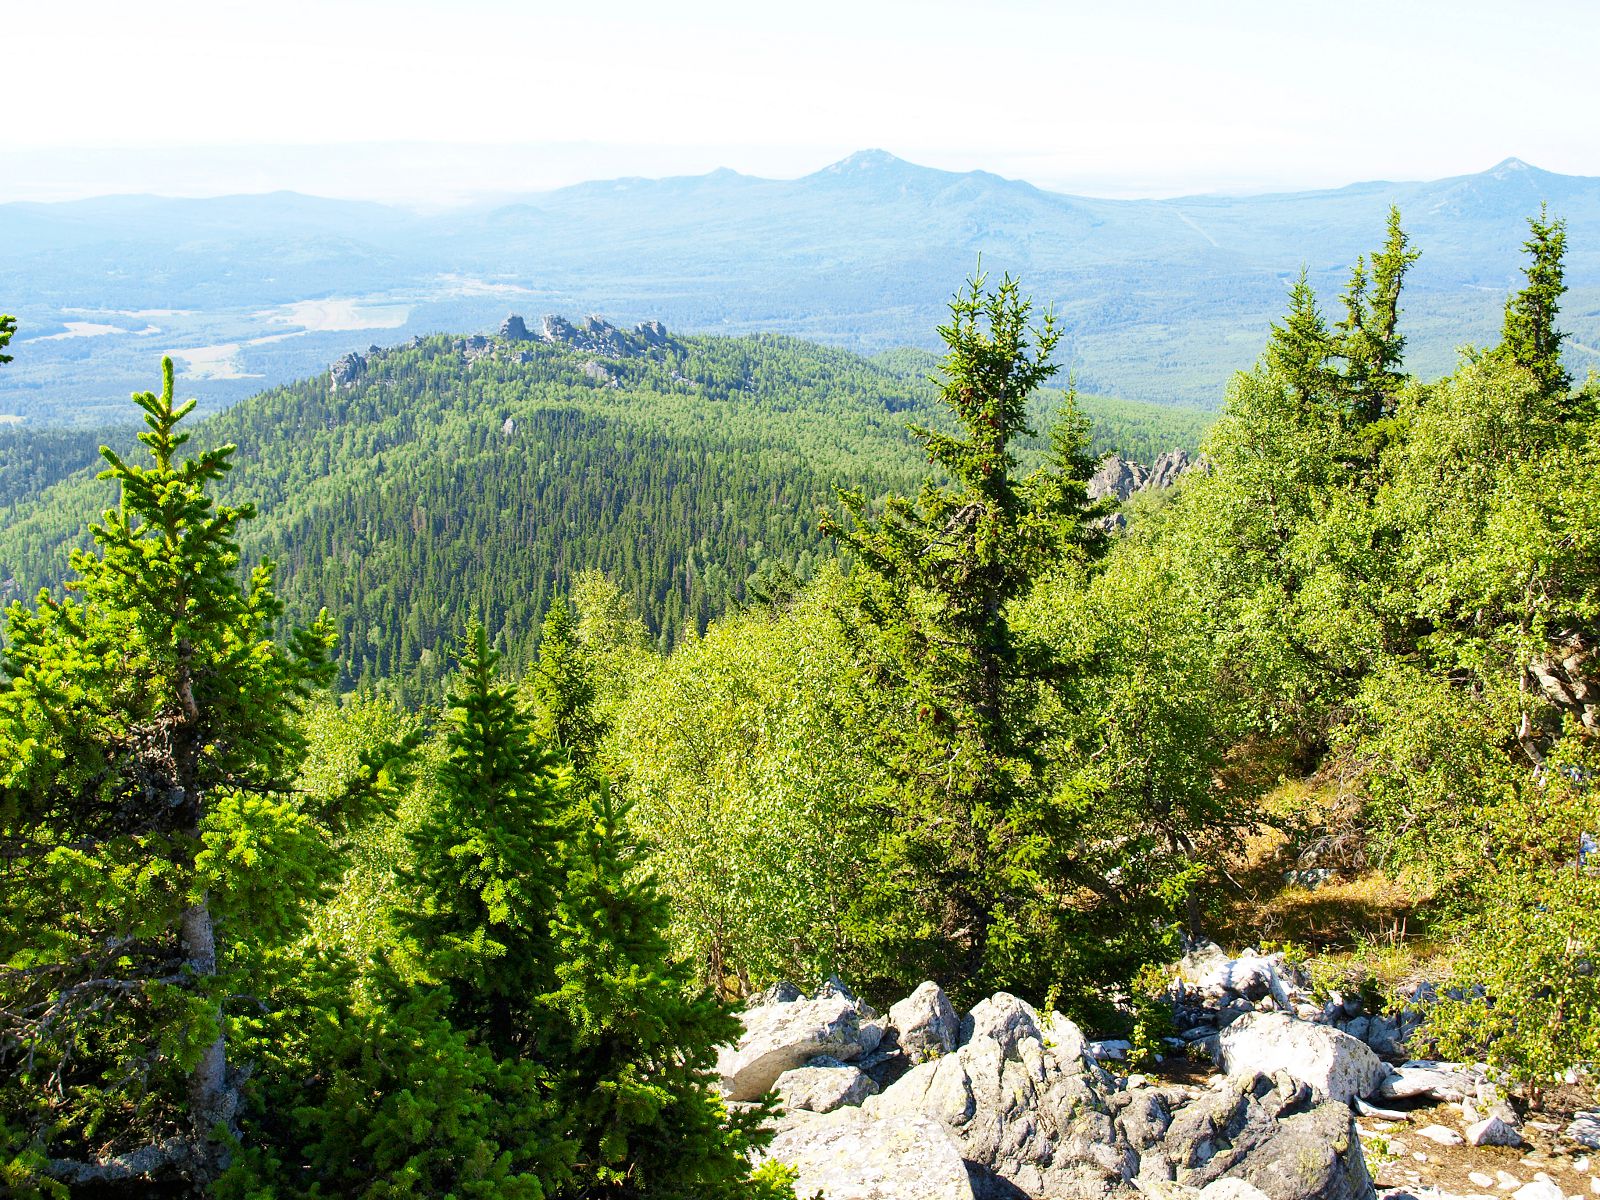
column 1119, row 478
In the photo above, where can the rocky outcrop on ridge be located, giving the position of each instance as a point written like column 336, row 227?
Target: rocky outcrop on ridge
column 1119, row 478
column 594, row 336
column 598, row 336
column 346, row 370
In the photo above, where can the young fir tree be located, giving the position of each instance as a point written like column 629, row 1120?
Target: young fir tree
column 636, row 1039
column 1301, row 349
column 931, row 593
column 562, row 689
column 149, row 838
column 8, row 329
column 1530, row 337
column 485, row 862
column 1368, row 338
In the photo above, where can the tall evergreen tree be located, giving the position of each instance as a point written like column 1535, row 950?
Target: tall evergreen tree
column 1301, row 348
column 147, row 748
column 638, row 1038
column 8, row 329
column 485, row 861
column 562, row 688
column 1529, row 335
column 1368, row 338
column 931, row 593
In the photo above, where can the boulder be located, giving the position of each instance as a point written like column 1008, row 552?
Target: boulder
column 1202, row 959
column 1585, row 1129
column 1261, row 1131
column 924, row 1025
column 823, row 1085
column 1112, row 1051
column 782, row 992
column 781, row 1037
column 1164, row 472
column 556, row 328
column 514, row 329
column 1022, row 1101
column 1435, row 1080
column 1334, row 1065
column 848, row 1155
column 1493, row 1131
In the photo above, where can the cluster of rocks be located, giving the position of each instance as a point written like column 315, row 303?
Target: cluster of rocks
column 594, row 336
column 346, row 370
column 1119, row 477
column 1211, row 990
column 1006, row 1102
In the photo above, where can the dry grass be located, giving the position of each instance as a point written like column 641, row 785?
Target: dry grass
column 1312, row 824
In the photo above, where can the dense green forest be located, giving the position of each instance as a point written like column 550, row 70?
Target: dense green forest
column 447, row 482
column 365, row 945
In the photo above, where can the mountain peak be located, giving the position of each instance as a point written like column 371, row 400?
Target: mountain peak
column 865, row 160
column 1509, row 167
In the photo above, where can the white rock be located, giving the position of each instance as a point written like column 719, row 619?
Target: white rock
column 1372, row 1110
column 1505, row 1181
column 1539, row 1189
column 1585, row 1129
column 1333, row 1064
column 823, row 1085
column 1021, row 1098
column 847, row 1155
column 1112, row 1051
column 1492, row 1131
column 1229, row 1188
column 1445, row 1137
column 781, row 1037
column 1479, row 1178
column 925, row 1023
column 1440, row 1082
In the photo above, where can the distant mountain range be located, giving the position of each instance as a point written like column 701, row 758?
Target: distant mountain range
column 1161, row 299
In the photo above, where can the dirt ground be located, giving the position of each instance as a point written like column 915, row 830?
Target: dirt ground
column 1399, row 1158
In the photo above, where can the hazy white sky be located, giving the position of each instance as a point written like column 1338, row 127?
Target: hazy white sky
column 425, row 100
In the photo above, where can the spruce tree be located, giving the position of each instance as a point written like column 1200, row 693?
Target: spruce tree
column 931, row 592
column 8, row 329
column 150, row 839
column 636, row 1039
column 562, row 689
column 1368, row 338
column 1529, row 336
column 1301, row 348
column 485, row 861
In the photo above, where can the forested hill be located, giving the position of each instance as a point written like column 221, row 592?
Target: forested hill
column 454, row 476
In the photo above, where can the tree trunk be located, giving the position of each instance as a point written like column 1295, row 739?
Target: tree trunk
column 213, row 1100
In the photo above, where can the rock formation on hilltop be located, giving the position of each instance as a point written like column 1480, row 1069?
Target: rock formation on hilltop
column 598, row 336
column 1122, row 477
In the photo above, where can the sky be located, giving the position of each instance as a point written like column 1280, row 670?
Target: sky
column 432, row 103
